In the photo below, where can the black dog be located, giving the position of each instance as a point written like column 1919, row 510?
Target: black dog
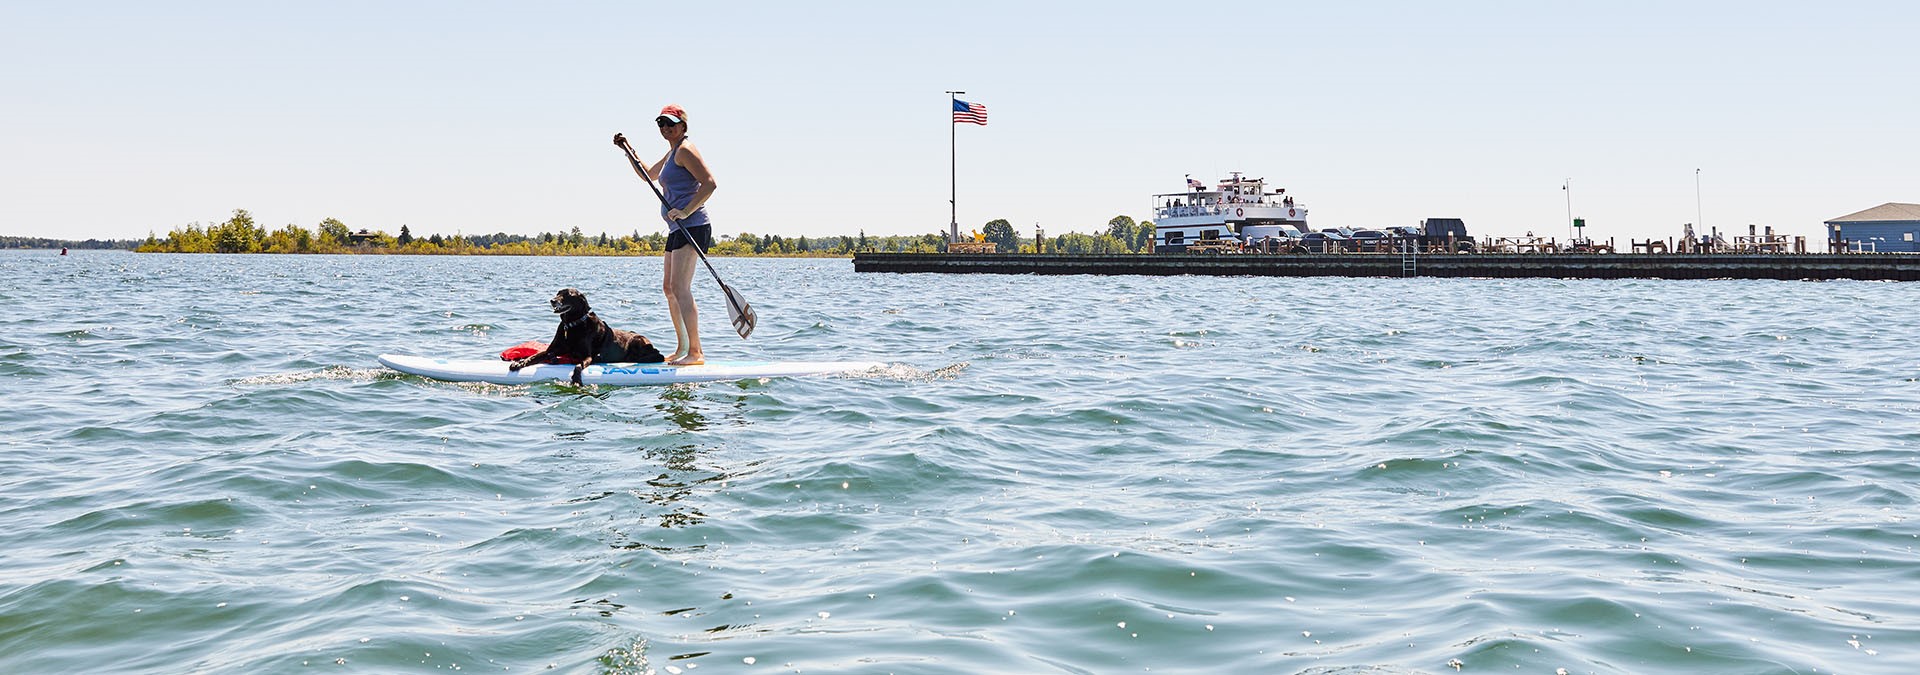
column 585, row 337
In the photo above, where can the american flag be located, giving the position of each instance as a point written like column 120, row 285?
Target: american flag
column 969, row 112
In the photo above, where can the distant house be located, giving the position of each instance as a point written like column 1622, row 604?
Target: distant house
column 1888, row 227
column 361, row 237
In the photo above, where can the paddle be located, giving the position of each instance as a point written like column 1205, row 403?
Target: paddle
column 737, row 308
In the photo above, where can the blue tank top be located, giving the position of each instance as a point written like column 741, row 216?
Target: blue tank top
column 680, row 186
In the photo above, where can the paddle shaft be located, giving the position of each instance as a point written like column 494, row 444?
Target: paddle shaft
column 641, row 169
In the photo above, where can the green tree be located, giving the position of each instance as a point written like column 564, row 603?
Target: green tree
column 238, row 235
column 289, row 239
column 334, row 232
column 1001, row 233
column 1076, row 243
column 1143, row 241
column 1123, row 228
column 405, row 236
column 190, row 240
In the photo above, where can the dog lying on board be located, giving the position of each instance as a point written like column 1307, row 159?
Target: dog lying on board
column 587, row 339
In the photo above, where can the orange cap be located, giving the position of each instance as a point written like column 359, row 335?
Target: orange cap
column 672, row 113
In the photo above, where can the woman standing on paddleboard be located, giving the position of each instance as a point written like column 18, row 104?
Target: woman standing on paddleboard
column 683, row 173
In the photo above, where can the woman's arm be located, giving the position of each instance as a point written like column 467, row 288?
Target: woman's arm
column 653, row 171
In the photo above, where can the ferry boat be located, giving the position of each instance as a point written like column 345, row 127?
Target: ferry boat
column 1238, row 209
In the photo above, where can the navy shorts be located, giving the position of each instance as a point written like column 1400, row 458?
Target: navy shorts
column 701, row 234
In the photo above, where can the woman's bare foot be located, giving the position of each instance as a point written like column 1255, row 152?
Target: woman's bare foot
column 693, row 359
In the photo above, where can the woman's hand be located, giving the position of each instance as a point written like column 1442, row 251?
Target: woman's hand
column 675, row 214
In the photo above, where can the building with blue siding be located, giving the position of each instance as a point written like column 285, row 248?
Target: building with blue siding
column 1889, row 227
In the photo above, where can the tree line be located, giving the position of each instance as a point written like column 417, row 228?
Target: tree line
column 241, row 234
column 1122, row 235
column 43, row 242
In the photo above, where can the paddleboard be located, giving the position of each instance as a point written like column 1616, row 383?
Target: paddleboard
column 495, row 371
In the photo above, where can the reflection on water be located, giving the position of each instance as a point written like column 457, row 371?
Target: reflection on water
column 667, row 493
column 676, row 403
column 672, row 498
column 602, row 606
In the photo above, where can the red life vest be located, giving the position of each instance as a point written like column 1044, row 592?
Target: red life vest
column 529, row 348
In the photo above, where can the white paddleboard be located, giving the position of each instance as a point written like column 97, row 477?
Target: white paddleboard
column 495, row 370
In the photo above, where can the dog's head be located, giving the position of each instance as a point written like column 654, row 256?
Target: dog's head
column 570, row 302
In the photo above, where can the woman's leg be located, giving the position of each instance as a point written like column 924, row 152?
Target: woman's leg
column 686, row 315
column 669, row 260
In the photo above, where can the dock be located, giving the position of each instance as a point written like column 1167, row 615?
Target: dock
column 1857, row 266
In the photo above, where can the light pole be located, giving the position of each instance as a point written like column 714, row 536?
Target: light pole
column 1696, row 200
column 953, row 223
column 1568, row 188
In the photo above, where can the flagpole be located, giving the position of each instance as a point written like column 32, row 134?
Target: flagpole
column 953, row 174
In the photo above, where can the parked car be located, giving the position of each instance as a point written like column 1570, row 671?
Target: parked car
column 1371, row 241
column 1326, row 242
column 1279, row 242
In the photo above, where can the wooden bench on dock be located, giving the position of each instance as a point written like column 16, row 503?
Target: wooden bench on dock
column 1214, row 246
column 1527, row 244
column 972, row 247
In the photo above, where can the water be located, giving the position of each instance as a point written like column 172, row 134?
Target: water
column 204, row 470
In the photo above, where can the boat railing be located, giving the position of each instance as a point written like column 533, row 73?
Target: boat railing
column 1219, row 209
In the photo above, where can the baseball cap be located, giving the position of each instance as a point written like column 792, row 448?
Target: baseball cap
column 672, row 113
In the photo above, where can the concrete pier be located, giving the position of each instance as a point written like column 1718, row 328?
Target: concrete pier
column 1860, row 266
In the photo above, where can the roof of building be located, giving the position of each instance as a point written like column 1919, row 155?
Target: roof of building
column 1890, row 211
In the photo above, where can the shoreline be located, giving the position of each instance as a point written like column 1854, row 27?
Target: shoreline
column 482, row 254
column 502, row 254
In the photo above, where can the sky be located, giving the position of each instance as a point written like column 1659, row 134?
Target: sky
column 124, row 118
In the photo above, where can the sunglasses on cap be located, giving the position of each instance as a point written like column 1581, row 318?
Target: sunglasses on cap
column 663, row 121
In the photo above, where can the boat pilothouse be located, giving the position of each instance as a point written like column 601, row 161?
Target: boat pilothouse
column 1238, row 209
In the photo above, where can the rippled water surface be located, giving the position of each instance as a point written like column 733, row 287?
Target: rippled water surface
column 203, row 469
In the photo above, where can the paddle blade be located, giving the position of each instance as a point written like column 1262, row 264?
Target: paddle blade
column 739, row 311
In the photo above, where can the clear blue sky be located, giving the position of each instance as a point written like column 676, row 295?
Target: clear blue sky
column 122, row 118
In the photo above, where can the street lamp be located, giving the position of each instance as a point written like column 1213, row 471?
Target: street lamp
column 1568, row 188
